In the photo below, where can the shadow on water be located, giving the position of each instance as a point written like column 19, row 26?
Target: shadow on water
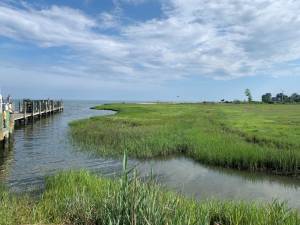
column 44, row 148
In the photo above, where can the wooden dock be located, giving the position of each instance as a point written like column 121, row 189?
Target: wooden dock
column 31, row 109
column 26, row 111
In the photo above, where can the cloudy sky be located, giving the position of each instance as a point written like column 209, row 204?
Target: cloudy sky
column 149, row 49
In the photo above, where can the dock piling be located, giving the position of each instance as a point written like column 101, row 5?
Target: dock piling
column 40, row 108
column 25, row 111
column 32, row 110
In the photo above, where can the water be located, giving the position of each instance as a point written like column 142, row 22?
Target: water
column 202, row 182
column 43, row 148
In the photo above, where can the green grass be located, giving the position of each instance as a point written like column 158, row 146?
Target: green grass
column 247, row 137
column 83, row 198
column 277, row 125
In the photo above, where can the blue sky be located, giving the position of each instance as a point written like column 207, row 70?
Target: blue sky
column 149, row 49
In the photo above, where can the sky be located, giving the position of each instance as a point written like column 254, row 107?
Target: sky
column 146, row 50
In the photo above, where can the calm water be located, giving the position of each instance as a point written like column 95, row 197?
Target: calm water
column 43, row 148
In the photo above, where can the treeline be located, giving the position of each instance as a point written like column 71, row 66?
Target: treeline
column 280, row 98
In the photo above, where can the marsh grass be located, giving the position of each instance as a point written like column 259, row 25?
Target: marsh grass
column 82, row 198
column 213, row 134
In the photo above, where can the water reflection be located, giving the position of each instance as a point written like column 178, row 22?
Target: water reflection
column 202, row 182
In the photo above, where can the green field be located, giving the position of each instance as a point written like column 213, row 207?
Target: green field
column 80, row 198
column 254, row 137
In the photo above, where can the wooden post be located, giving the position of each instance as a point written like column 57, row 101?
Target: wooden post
column 20, row 107
column 52, row 106
column 45, row 104
column 46, row 107
column 1, row 123
column 32, row 113
column 40, row 109
column 11, row 123
column 24, row 110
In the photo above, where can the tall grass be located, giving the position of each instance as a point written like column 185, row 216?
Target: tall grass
column 202, row 132
column 82, row 198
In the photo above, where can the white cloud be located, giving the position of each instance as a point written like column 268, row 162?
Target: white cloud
column 108, row 20
column 219, row 39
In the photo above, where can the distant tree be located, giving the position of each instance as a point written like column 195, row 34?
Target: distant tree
column 280, row 97
column 295, row 97
column 248, row 95
column 266, row 98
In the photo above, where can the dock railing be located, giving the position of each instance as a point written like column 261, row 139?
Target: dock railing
column 29, row 109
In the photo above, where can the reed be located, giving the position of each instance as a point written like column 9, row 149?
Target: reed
column 82, row 198
column 235, row 136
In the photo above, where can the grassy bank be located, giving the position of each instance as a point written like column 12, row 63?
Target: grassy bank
column 82, row 198
column 248, row 137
